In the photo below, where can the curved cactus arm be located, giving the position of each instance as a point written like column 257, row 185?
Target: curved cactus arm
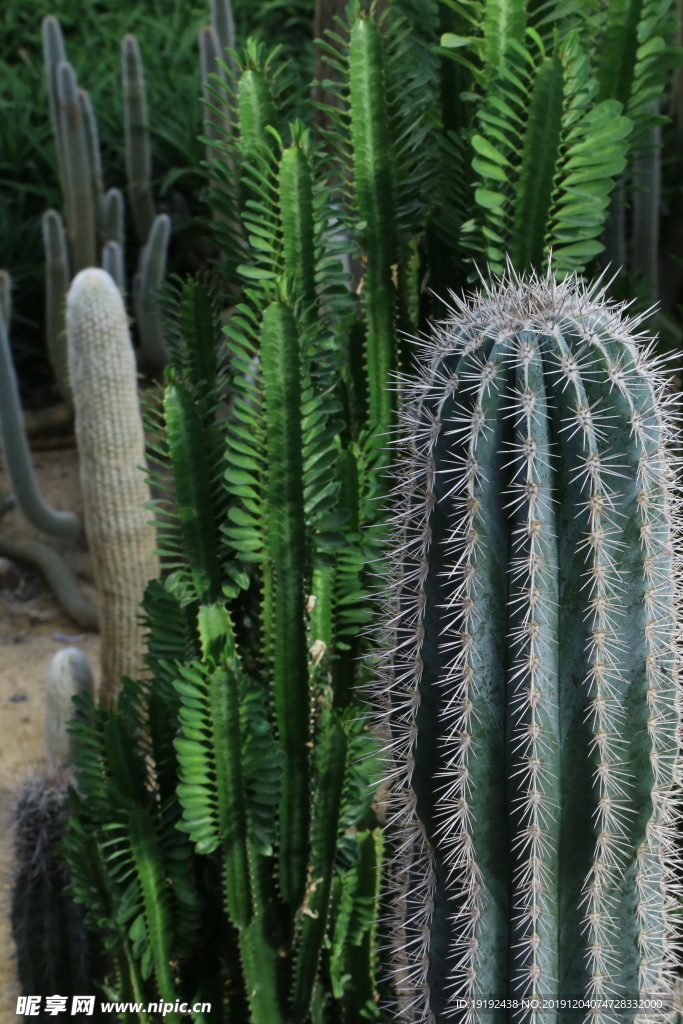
column 18, row 456
column 57, row 278
column 58, row 575
column 151, row 272
column 136, row 129
column 111, row 448
column 79, row 198
column 286, row 552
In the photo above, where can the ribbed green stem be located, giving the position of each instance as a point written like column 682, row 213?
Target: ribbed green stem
column 331, row 756
column 286, row 551
column 191, row 473
column 374, row 196
column 295, row 188
column 150, row 872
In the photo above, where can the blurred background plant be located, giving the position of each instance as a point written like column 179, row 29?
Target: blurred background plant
column 167, row 33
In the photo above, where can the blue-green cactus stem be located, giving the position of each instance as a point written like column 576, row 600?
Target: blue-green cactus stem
column 136, row 129
column 529, row 693
column 113, row 262
column 150, row 274
column 115, row 217
column 17, row 456
column 54, row 53
column 94, row 159
column 79, row 197
column 56, row 286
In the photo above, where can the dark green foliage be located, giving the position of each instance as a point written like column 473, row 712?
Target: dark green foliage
column 231, row 772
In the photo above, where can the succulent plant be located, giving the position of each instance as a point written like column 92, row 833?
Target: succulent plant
column 528, row 692
column 68, row 673
column 111, row 447
column 54, row 949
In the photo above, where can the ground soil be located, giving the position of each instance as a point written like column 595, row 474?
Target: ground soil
column 32, row 629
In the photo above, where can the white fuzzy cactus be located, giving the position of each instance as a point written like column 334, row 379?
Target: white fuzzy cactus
column 111, row 448
column 529, row 689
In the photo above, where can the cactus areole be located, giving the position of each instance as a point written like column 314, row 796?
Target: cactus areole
column 528, row 692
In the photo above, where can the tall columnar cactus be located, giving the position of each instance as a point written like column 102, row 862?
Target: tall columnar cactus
column 111, row 449
column 529, row 691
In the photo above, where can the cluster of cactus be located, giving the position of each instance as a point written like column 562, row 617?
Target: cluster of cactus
column 17, row 461
column 95, row 219
column 529, row 691
column 250, row 841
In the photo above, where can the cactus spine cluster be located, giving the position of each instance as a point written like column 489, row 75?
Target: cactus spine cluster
column 111, row 447
column 529, row 687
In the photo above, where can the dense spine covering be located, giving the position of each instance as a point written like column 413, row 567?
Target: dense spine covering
column 529, row 688
column 112, row 451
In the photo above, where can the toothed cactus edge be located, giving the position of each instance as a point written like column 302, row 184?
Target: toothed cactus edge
column 528, row 685
column 111, row 452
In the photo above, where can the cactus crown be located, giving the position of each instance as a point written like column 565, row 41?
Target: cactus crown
column 528, row 691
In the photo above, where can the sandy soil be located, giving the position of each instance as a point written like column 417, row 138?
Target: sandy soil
column 32, row 629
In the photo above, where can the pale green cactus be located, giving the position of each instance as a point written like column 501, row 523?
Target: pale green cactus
column 529, row 689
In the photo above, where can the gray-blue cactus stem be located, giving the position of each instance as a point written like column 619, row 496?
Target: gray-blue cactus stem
column 58, row 576
column 529, row 690
column 17, row 455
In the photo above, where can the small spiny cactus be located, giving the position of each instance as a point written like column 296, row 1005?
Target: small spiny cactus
column 54, row 949
column 68, row 674
column 529, row 690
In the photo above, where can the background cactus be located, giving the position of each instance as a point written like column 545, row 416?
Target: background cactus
column 54, row 949
column 111, row 448
column 68, row 674
column 529, row 691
